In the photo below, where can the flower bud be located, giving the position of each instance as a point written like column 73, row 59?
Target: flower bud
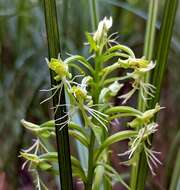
column 102, row 30
column 59, row 67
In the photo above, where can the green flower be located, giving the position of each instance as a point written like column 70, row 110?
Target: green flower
column 138, row 64
column 140, row 67
column 145, row 118
column 79, row 93
column 103, row 27
column 138, row 144
column 60, row 68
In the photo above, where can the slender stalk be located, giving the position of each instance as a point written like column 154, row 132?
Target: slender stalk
column 65, row 23
column 176, row 173
column 165, row 36
column 148, row 53
column 94, row 14
column 173, row 152
column 88, row 186
column 149, row 43
column 62, row 137
column 139, row 172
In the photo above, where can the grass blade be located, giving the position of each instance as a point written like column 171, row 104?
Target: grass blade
column 176, row 174
column 173, row 152
column 165, row 36
column 94, row 14
column 62, row 137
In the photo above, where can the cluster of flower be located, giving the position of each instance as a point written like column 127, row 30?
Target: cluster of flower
column 91, row 98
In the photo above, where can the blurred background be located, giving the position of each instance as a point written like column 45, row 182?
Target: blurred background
column 23, row 72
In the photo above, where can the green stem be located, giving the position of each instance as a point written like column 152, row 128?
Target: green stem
column 62, row 137
column 88, row 185
column 149, row 43
column 165, row 36
column 94, row 14
column 139, row 172
column 176, row 173
column 148, row 52
column 170, row 160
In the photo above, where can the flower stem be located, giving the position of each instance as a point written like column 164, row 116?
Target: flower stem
column 88, row 185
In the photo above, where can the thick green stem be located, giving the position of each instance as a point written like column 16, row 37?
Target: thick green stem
column 62, row 136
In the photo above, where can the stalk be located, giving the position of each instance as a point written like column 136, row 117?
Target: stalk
column 148, row 53
column 88, row 185
column 165, row 36
column 62, row 138
column 170, row 166
column 139, row 172
column 94, row 14
column 149, row 43
column 176, row 174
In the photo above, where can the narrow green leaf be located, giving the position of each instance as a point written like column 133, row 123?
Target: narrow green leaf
column 62, row 137
column 44, row 166
column 50, row 156
column 91, row 42
column 74, row 126
column 121, row 48
column 114, row 174
column 77, row 169
column 94, row 13
column 50, row 124
column 98, row 132
column 122, row 135
column 124, row 110
column 99, row 175
column 81, row 60
column 170, row 159
column 176, row 174
column 53, row 157
column 80, row 137
column 164, row 38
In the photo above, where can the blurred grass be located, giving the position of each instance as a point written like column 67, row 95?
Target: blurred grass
column 22, row 72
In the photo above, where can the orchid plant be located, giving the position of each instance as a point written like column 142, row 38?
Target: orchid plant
column 90, row 93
